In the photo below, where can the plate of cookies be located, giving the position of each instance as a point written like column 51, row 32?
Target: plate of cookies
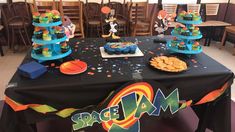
column 168, row 64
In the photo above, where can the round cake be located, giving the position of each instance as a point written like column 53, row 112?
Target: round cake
column 120, row 48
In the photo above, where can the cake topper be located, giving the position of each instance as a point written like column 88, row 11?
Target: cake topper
column 112, row 22
column 162, row 24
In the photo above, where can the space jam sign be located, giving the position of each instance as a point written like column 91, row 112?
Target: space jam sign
column 124, row 108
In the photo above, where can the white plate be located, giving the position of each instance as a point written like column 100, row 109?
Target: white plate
column 138, row 53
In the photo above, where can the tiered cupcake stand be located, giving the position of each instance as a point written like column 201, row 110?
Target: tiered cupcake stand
column 53, row 44
column 188, row 40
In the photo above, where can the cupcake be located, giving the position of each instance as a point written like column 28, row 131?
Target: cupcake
column 44, row 18
column 46, row 36
column 47, row 52
column 132, row 49
column 49, row 14
column 196, row 17
column 56, row 16
column 59, row 32
column 195, row 46
column 182, row 14
column 36, row 16
column 64, row 47
column 191, row 28
column 188, row 17
column 37, row 33
column 182, row 46
column 177, row 29
column 185, row 32
column 196, row 31
column 174, row 42
column 37, row 48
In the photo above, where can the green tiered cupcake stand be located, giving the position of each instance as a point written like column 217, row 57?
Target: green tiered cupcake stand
column 188, row 40
column 53, row 45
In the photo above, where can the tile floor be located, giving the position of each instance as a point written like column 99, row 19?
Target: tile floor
column 10, row 62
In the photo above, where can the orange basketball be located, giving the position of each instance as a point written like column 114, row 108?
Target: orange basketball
column 162, row 13
column 105, row 10
column 73, row 67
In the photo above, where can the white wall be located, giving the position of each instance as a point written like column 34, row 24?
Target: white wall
column 3, row 1
column 232, row 1
column 150, row 1
column 214, row 1
column 179, row 1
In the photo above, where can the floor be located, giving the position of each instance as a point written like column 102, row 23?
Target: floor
column 13, row 60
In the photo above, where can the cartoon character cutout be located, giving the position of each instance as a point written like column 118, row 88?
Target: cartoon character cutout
column 112, row 22
column 163, row 22
column 69, row 27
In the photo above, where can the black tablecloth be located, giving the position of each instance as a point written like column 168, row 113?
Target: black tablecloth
column 105, row 75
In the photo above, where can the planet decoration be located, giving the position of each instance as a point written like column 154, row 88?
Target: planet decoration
column 73, row 67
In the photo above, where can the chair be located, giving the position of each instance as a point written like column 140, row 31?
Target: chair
column 42, row 6
column 93, row 17
column 194, row 7
column 142, row 25
column 16, row 20
column 170, row 8
column 228, row 30
column 74, row 10
column 1, row 50
column 120, row 14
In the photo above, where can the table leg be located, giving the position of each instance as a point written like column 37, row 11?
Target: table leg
column 234, row 50
column 211, row 32
column 1, row 50
column 224, row 38
column 207, row 35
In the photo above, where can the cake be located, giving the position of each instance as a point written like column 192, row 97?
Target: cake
column 195, row 46
column 37, row 48
column 36, row 16
column 64, row 47
column 37, row 33
column 44, row 18
column 47, row 52
column 182, row 46
column 56, row 16
column 185, row 31
column 174, row 42
column 120, row 48
column 46, row 36
column 59, row 32
column 196, row 31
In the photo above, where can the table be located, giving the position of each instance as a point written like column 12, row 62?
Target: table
column 105, row 75
column 210, row 25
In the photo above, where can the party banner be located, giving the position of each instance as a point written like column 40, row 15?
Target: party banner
column 121, row 112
